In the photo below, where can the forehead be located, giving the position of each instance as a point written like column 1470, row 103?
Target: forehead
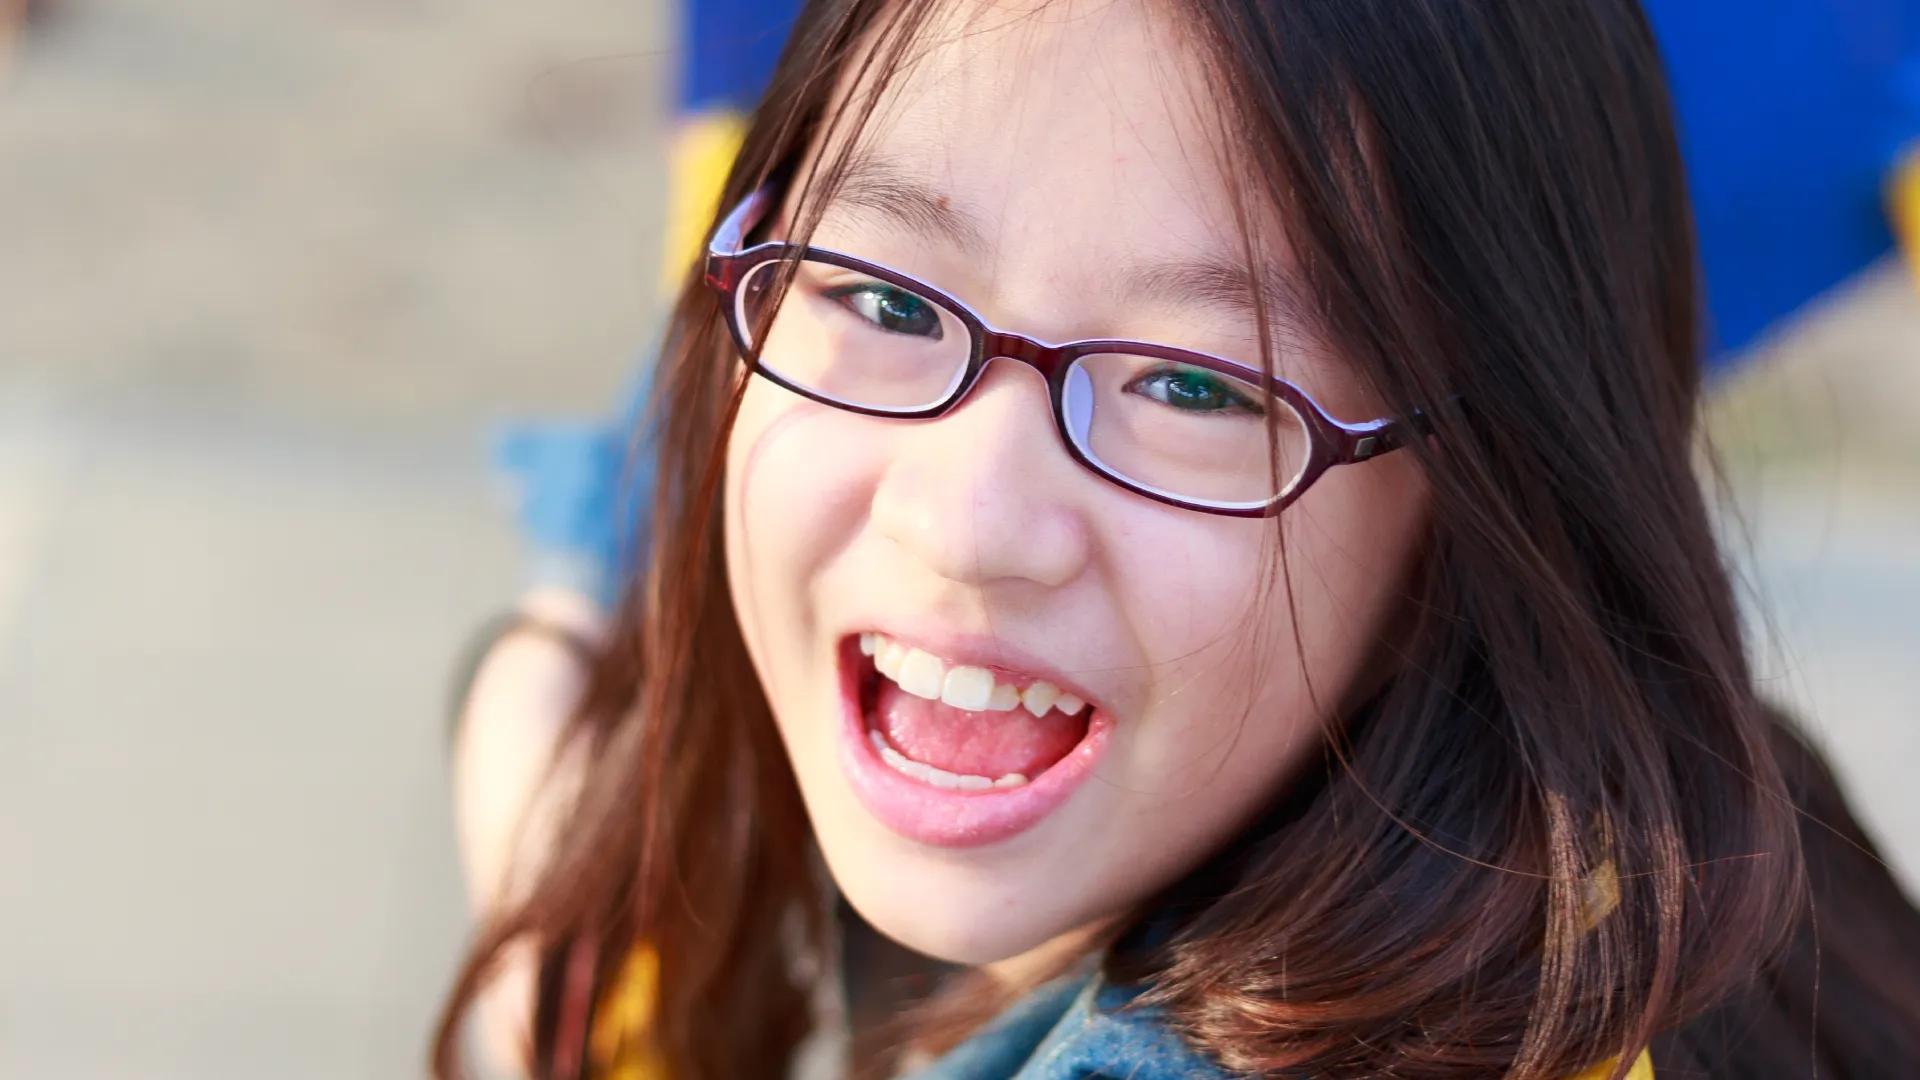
column 1081, row 126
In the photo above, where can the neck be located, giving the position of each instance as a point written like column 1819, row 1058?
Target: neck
column 1045, row 960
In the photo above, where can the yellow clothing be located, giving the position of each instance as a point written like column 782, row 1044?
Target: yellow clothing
column 1642, row 1070
column 615, row 1045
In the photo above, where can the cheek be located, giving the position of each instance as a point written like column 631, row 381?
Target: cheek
column 796, row 480
column 1188, row 588
column 1257, row 634
column 1352, row 547
column 1191, row 594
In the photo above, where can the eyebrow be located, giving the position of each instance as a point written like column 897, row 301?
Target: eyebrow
column 1215, row 281
column 875, row 184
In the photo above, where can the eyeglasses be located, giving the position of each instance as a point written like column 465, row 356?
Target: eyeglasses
column 1182, row 427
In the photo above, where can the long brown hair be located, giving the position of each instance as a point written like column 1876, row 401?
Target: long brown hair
column 1562, row 827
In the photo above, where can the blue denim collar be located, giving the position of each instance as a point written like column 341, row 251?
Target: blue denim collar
column 1078, row 1027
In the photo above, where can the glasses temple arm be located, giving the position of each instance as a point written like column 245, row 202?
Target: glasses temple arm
column 1370, row 440
column 731, row 236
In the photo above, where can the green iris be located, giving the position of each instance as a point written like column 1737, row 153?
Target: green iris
column 1193, row 390
column 896, row 311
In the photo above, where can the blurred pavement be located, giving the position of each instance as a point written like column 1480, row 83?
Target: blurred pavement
column 1820, row 437
column 268, row 275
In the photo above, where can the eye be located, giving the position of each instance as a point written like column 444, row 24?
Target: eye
column 1195, row 390
column 894, row 310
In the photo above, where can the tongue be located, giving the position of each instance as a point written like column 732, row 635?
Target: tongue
column 989, row 744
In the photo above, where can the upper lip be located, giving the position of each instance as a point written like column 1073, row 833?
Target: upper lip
column 996, row 654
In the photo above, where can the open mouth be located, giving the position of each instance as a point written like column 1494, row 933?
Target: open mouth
column 960, row 726
column 953, row 753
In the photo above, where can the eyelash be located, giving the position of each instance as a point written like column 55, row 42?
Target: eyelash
column 1236, row 400
column 839, row 294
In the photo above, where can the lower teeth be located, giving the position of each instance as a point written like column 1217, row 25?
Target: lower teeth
column 938, row 777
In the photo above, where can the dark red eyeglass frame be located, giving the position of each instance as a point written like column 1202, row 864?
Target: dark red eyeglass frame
column 1330, row 442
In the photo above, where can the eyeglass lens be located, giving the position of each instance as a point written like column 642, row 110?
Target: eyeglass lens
column 1184, row 430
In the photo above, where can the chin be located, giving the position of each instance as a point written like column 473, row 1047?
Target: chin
column 945, row 905
column 952, row 932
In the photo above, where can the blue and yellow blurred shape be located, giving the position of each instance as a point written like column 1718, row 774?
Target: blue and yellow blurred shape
column 728, row 49
column 1795, row 115
column 1903, row 202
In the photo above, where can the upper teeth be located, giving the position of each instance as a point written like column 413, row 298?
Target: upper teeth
column 962, row 686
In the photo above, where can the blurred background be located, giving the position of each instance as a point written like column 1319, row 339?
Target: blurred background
column 272, row 276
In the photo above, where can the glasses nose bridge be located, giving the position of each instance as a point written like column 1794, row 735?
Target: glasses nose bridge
column 1044, row 358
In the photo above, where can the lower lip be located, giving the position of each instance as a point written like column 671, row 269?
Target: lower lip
column 943, row 817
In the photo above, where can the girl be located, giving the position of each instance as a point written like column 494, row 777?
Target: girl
column 1185, row 509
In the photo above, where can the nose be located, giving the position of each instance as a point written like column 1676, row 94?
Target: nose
column 986, row 493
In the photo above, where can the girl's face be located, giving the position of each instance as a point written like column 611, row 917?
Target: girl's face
column 1049, row 168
